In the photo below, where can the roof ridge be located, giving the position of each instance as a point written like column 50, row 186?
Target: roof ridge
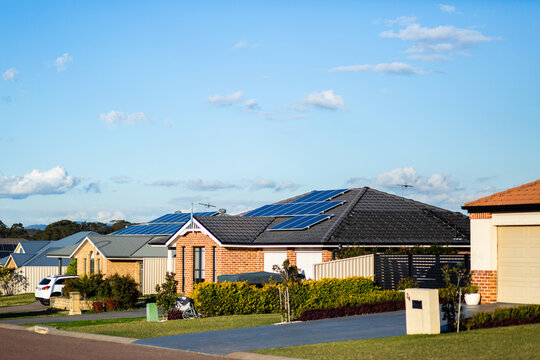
column 342, row 217
column 415, row 202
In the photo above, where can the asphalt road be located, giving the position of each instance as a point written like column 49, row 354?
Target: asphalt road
column 22, row 344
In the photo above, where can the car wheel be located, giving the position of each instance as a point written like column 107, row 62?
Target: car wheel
column 45, row 302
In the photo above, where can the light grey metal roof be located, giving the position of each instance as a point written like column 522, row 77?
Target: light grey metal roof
column 125, row 246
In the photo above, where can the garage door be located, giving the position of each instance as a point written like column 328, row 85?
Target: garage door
column 274, row 257
column 519, row 264
column 305, row 261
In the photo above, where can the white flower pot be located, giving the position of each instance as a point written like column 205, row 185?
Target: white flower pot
column 472, row 299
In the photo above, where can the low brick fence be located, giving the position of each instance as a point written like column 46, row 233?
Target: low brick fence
column 63, row 303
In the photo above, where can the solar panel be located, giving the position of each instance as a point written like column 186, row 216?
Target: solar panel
column 300, row 222
column 161, row 229
column 179, row 218
column 321, row 195
column 294, row 209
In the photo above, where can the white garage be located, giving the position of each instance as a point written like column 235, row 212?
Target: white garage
column 505, row 245
column 519, row 264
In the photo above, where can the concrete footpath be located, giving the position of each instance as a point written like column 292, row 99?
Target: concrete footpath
column 66, row 318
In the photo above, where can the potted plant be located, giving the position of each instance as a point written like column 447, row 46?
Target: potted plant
column 471, row 295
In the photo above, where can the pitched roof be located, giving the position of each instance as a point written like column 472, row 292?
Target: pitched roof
column 527, row 194
column 124, row 246
column 367, row 216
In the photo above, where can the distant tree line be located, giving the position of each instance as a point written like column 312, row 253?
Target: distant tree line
column 60, row 229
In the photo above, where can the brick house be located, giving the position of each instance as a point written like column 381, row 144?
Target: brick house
column 123, row 255
column 306, row 230
column 505, row 244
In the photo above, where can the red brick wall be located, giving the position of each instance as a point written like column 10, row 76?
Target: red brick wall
column 228, row 261
column 486, row 280
column 291, row 256
column 326, row 255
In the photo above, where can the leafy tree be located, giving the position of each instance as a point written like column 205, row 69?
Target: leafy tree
column 166, row 294
column 4, row 230
column 457, row 279
column 119, row 224
column 17, row 231
column 72, row 267
column 10, row 280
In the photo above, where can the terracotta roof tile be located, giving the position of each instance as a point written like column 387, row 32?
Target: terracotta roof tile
column 521, row 195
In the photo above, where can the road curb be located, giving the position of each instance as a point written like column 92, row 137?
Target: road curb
column 53, row 331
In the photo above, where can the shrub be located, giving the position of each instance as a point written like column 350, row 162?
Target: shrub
column 72, row 267
column 166, row 294
column 11, row 281
column 175, row 315
column 235, row 298
column 87, row 285
column 111, row 304
column 97, row 306
column 520, row 315
column 124, row 289
column 362, row 309
column 407, row 283
column 456, row 279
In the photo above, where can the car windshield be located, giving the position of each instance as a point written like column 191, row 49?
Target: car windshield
column 44, row 281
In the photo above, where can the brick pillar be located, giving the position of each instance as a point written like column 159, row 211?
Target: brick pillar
column 326, row 255
column 189, row 269
column 291, row 256
column 486, row 280
column 178, row 268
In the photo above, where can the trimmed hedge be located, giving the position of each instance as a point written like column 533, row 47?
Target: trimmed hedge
column 362, row 309
column 234, row 298
column 520, row 315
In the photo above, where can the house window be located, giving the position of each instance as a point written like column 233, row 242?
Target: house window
column 99, row 266
column 198, row 265
column 85, row 265
column 92, row 261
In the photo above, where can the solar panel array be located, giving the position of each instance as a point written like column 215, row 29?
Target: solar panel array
column 301, row 222
column 179, row 218
column 320, row 195
column 161, row 229
column 294, row 209
column 6, row 249
column 167, row 224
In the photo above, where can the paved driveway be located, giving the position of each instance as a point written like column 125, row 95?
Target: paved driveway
column 310, row 332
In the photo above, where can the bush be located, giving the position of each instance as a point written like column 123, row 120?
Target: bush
column 236, row 298
column 166, row 294
column 362, row 309
column 111, row 304
column 11, row 281
column 175, row 315
column 124, row 289
column 87, row 285
column 407, row 283
column 97, row 306
column 520, row 315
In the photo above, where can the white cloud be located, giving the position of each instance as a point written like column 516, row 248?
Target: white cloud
column 264, row 184
column 251, row 104
column 244, row 44
column 395, row 68
column 54, row 181
column 325, row 99
column 201, row 185
column 447, row 8
column 106, row 216
column 119, row 117
column 226, row 100
column 61, row 62
column 287, row 186
column 10, row 74
column 440, row 39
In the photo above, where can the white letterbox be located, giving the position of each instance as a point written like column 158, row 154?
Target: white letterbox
column 422, row 311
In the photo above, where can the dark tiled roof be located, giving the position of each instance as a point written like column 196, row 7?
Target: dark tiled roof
column 367, row 217
column 235, row 229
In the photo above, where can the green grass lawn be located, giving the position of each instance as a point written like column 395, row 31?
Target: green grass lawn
column 140, row 329
column 13, row 300
column 514, row 342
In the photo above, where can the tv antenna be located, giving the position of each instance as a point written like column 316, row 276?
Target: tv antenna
column 403, row 187
column 208, row 206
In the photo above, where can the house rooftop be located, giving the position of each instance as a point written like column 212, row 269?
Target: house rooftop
column 527, row 194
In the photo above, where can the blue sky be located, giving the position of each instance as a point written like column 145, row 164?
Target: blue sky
column 114, row 110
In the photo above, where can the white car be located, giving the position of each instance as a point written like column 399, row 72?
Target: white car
column 51, row 286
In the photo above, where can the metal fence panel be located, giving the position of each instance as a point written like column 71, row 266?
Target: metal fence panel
column 154, row 270
column 355, row 266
